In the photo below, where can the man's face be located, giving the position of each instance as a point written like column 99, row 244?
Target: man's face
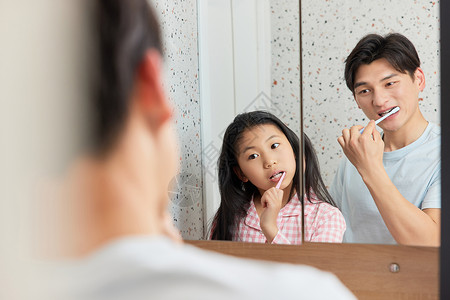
column 379, row 88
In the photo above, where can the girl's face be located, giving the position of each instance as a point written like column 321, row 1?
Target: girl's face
column 263, row 153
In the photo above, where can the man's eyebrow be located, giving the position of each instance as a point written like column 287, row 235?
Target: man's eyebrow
column 388, row 77
column 358, row 84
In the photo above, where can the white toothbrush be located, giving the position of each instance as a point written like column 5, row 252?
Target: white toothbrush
column 393, row 111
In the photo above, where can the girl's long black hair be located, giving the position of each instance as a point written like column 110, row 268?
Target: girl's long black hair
column 313, row 179
column 235, row 194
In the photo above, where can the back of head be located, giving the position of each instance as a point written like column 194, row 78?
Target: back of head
column 395, row 48
column 122, row 32
column 127, row 29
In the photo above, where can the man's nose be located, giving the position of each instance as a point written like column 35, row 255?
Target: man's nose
column 380, row 97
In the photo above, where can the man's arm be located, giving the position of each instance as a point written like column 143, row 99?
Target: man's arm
column 407, row 223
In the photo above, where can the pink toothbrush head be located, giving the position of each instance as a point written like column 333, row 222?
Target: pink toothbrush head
column 281, row 180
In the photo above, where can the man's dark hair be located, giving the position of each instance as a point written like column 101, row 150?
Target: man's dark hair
column 394, row 47
column 127, row 29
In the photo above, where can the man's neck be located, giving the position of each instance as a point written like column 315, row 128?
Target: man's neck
column 407, row 134
column 108, row 199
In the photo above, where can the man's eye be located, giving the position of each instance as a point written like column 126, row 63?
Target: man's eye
column 390, row 83
column 275, row 145
column 365, row 91
column 253, row 156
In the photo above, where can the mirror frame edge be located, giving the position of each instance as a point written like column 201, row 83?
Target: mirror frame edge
column 302, row 147
column 445, row 144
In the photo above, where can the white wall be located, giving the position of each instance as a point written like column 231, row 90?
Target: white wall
column 234, row 55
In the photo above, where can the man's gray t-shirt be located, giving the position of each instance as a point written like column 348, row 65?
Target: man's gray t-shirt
column 416, row 172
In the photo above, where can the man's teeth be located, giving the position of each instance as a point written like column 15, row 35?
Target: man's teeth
column 386, row 112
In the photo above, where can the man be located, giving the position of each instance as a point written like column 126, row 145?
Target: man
column 388, row 188
column 120, row 234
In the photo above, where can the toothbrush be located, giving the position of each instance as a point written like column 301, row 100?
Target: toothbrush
column 393, row 111
column 281, row 180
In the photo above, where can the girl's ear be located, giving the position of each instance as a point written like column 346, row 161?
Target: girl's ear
column 239, row 174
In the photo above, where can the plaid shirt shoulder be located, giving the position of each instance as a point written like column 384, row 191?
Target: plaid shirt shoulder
column 323, row 223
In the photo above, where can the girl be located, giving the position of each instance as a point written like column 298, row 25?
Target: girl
column 258, row 151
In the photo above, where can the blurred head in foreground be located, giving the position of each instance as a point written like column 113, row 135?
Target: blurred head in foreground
column 118, row 185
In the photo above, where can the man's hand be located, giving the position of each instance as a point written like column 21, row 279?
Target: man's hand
column 365, row 151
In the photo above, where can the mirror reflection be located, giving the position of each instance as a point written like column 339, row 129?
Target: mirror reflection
column 241, row 69
column 254, row 64
column 378, row 209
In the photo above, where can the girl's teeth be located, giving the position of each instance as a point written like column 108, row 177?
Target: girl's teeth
column 276, row 176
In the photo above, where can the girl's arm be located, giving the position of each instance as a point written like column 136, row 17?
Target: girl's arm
column 280, row 239
column 271, row 202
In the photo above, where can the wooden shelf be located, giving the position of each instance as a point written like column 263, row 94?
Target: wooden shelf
column 363, row 268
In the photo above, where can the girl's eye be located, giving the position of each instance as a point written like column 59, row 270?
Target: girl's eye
column 275, row 145
column 253, row 156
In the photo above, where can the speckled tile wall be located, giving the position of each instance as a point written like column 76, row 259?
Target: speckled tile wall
column 330, row 30
column 286, row 60
column 179, row 30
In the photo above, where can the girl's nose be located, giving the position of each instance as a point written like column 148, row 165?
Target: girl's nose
column 270, row 163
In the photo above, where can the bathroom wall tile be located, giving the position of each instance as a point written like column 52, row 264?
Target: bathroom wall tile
column 179, row 30
column 285, row 92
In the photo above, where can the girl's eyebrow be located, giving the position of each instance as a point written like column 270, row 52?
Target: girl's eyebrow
column 247, row 148
column 271, row 137
column 251, row 147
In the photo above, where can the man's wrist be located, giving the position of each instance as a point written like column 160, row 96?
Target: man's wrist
column 374, row 173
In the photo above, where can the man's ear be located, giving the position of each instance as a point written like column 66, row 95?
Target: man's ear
column 239, row 174
column 151, row 96
column 419, row 78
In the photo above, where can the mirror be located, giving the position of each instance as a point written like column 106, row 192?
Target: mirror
column 249, row 59
column 213, row 92
column 330, row 30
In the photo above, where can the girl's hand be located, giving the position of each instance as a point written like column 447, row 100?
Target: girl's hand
column 271, row 202
column 365, row 151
